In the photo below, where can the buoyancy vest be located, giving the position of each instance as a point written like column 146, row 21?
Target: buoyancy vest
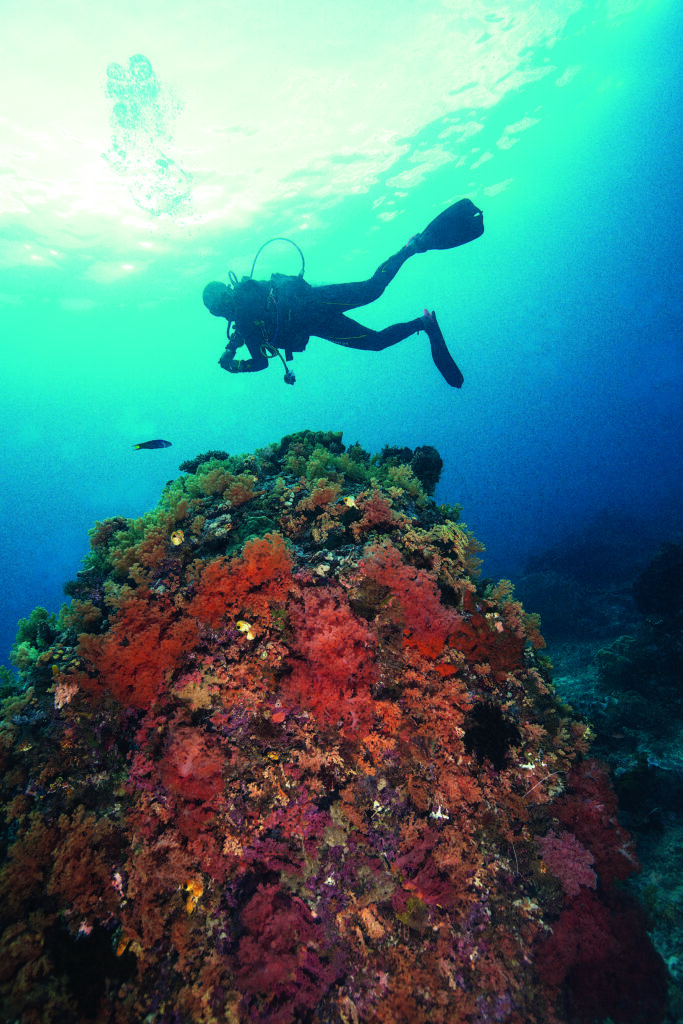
column 291, row 295
column 273, row 310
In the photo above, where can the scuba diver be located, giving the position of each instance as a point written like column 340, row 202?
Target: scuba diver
column 270, row 317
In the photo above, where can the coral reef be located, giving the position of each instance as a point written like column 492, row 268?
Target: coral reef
column 284, row 758
column 617, row 652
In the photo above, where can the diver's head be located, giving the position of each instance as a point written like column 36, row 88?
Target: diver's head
column 218, row 299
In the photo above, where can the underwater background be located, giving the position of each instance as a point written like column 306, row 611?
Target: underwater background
column 345, row 128
column 148, row 148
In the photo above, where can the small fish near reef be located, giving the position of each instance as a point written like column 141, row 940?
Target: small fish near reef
column 158, row 443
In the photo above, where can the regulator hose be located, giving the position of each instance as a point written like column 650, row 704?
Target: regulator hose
column 279, row 238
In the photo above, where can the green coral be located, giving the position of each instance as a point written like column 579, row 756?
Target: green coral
column 37, row 630
column 34, row 636
column 8, row 683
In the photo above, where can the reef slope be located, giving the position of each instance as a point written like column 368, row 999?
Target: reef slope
column 284, row 757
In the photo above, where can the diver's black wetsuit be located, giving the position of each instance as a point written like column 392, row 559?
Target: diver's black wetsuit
column 280, row 315
column 284, row 312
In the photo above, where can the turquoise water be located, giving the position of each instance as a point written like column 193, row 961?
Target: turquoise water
column 346, row 127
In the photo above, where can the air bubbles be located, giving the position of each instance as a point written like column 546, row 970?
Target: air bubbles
column 141, row 118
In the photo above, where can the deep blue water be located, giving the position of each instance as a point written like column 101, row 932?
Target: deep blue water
column 345, row 127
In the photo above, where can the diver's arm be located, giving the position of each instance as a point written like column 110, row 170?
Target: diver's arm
column 256, row 362
column 227, row 360
column 243, row 365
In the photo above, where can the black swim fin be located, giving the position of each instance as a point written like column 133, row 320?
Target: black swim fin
column 460, row 223
column 443, row 360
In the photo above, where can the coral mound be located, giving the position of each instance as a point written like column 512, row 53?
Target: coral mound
column 283, row 758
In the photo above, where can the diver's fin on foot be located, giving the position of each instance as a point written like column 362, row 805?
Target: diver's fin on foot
column 460, row 223
column 443, row 360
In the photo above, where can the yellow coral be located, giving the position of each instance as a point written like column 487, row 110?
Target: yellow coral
column 194, row 889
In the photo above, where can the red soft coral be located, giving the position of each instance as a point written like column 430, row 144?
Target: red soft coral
column 262, row 575
column 589, row 809
column 213, row 596
column 144, row 644
column 266, row 562
column 427, row 622
column 599, row 950
column 377, row 514
column 582, row 935
column 484, row 638
column 282, row 962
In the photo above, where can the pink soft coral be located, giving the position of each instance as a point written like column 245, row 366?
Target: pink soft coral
column 335, row 667
column 192, row 767
column 569, row 861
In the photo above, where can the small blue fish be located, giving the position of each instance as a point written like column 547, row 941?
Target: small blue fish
column 153, row 444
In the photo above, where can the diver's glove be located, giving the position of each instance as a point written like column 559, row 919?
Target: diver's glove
column 228, row 362
column 289, row 378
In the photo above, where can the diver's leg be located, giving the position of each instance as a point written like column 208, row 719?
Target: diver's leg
column 342, row 330
column 340, row 297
